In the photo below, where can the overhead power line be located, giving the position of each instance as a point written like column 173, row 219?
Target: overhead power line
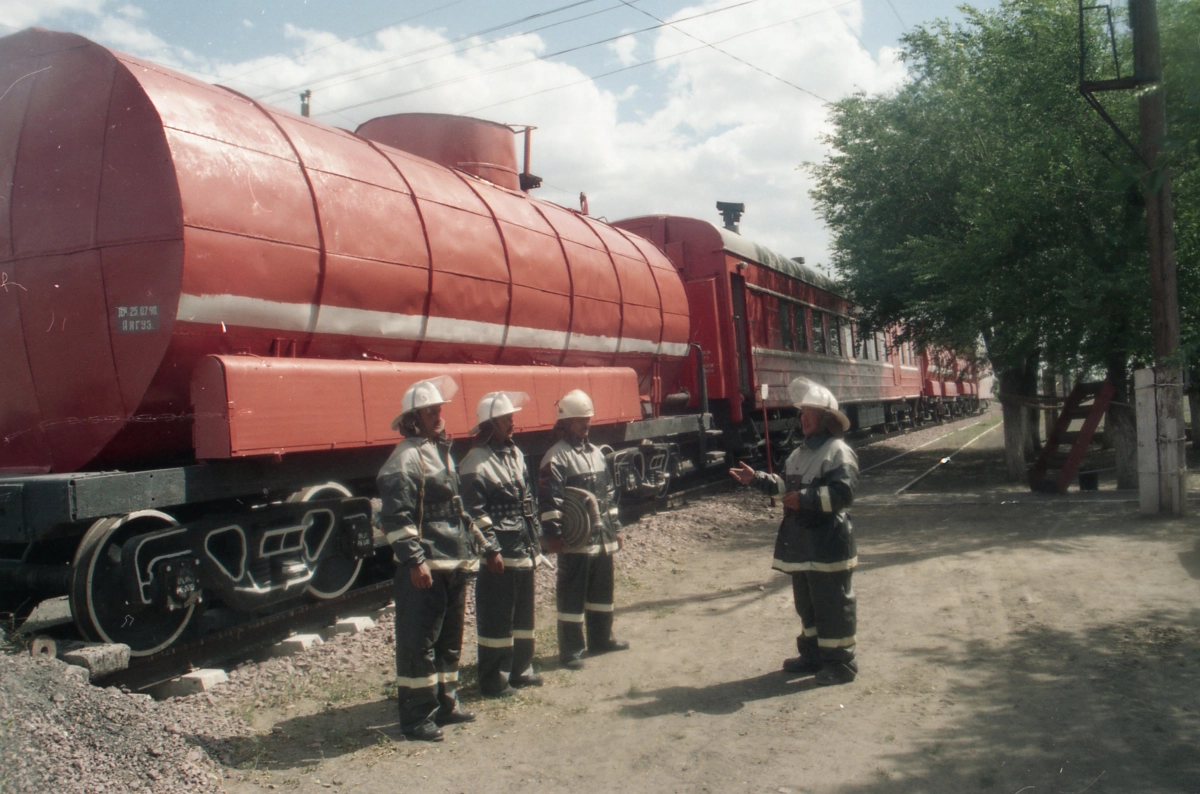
column 723, row 52
column 306, row 53
column 664, row 58
column 515, row 64
column 393, row 58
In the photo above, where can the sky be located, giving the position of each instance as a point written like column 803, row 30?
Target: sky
column 647, row 106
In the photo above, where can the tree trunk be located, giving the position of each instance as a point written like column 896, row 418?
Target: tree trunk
column 1121, row 427
column 1016, row 423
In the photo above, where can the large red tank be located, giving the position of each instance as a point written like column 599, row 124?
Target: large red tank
column 154, row 219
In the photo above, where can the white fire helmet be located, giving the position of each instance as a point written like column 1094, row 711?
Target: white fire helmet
column 425, row 393
column 575, row 404
column 496, row 404
column 809, row 394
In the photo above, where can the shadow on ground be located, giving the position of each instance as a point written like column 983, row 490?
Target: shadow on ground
column 1116, row 709
column 723, row 698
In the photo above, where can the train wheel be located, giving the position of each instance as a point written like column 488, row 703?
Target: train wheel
column 100, row 593
column 335, row 572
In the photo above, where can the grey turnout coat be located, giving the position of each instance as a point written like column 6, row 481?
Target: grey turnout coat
column 569, row 464
column 818, row 536
column 422, row 512
column 498, row 497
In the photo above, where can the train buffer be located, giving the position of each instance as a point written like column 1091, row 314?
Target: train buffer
column 1063, row 452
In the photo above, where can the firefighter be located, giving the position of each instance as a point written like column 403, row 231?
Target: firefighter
column 422, row 519
column 579, row 524
column 499, row 499
column 815, row 544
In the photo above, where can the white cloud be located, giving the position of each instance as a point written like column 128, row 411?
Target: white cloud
column 247, row 23
column 24, row 13
column 625, row 48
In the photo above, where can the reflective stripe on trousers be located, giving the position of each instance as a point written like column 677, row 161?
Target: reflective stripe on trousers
column 429, row 629
column 585, row 596
column 504, row 620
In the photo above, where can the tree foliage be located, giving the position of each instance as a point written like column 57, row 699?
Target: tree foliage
column 985, row 197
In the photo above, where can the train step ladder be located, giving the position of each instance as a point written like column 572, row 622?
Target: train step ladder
column 1064, row 450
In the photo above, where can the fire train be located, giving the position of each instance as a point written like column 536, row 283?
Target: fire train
column 211, row 307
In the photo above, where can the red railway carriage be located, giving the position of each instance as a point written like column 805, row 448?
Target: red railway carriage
column 763, row 319
column 209, row 303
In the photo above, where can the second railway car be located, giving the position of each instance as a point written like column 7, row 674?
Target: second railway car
column 762, row 319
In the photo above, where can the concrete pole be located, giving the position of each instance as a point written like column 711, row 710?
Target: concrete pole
column 1165, row 428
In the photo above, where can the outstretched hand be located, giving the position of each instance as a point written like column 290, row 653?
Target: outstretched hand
column 743, row 474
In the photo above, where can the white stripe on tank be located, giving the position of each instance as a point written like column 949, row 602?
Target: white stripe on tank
column 238, row 310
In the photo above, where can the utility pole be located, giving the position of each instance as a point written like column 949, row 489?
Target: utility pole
column 1159, row 391
column 305, row 96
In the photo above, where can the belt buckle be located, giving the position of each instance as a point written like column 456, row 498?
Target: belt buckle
column 456, row 505
column 527, row 507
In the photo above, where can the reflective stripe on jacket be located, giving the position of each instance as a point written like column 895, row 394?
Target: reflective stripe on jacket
column 818, row 536
column 419, row 480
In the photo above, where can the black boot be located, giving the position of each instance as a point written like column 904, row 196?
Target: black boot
column 833, row 673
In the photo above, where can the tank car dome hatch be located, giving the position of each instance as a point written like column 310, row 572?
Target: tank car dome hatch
column 481, row 148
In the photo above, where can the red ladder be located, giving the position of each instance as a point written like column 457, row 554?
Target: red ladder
column 1041, row 477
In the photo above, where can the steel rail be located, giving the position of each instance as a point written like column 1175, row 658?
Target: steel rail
column 946, row 459
column 914, row 449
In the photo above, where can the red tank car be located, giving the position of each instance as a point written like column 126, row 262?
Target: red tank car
column 224, row 302
column 155, row 219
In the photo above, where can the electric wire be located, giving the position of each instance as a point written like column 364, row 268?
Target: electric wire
column 515, row 64
column 506, row 67
column 306, row 53
column 391, row 59
column 723, row 52
column 657, row 60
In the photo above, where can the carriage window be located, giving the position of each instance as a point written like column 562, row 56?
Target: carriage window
column 835, row 336
column 801, row 340
column 851, row 340
column 885, row 347
column 785, row 325
column 880, row 346
column 818, row 332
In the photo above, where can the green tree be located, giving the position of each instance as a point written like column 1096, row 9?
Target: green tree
column 985, row 198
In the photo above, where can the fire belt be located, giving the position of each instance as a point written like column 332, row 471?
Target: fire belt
column 511, row 510
column 439, row 511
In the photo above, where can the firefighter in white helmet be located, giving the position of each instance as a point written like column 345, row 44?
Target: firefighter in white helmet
column 815, row 544
column 423, row 521
column 585, row 565
column 501, row 501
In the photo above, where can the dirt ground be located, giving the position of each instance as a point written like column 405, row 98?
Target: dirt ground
column 1007, row 643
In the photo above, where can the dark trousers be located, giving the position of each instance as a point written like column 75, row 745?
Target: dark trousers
column 584, row 594
column 826, row 605
column 504, row 613
column 429, row 630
